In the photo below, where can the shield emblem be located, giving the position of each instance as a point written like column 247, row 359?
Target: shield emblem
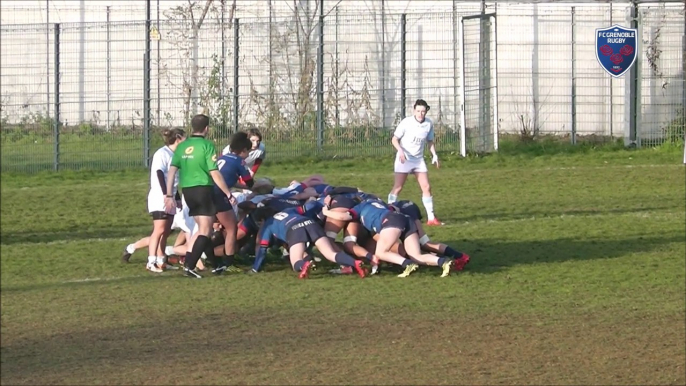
column 615, row 48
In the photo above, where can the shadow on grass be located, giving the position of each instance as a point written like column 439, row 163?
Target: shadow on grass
column 113, row 232
column 534, row 213
column 489, row 256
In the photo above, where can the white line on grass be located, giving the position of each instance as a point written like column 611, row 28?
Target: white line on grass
column 98, row 239
column 89, row 279
column 479, row 171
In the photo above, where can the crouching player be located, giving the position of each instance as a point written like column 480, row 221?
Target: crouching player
column 411, row 210
column 391, row 228
column 296, row 231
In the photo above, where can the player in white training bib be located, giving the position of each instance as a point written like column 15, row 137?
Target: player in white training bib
column 161, row 218
column 409, row 139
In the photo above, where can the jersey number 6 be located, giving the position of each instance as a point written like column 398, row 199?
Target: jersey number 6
column 280, row 216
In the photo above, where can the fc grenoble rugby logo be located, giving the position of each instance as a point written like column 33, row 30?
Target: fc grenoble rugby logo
column 616, row 49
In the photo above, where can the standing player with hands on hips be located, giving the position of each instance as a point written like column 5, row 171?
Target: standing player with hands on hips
column 409, row 139
column 196, row 160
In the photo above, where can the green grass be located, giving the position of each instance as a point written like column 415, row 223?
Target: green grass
column 577, row 277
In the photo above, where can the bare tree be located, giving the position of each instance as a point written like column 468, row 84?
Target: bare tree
column 185, row 23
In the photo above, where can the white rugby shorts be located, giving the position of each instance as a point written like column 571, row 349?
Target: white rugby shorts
column 411, row 165
column 155, row 202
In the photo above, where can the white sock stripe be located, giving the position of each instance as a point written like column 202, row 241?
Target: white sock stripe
column 331, row 234
column 350, row 239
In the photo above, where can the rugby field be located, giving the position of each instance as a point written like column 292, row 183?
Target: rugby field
column 577, row 277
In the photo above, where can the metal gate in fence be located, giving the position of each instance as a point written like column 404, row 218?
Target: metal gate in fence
column 479, row 83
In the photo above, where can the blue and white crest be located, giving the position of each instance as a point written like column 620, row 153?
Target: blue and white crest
column 615, row 48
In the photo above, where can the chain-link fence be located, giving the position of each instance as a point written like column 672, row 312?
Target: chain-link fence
column 263, row 72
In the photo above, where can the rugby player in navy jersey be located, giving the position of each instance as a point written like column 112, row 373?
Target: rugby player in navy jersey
column 411, row 210
column 391, row 227
column 248, row 228
column 358, row 241
column 296, row 231
column 231, row 168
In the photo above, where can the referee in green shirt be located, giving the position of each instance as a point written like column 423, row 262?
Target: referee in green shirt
column 196, row 160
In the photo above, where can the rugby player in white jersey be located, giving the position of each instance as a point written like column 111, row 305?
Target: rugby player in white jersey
column 161, row 218
column 409, row 140
column 256, row 155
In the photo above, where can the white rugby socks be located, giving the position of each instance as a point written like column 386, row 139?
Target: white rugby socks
column 429, row 206
column 130, row 249
column 392, row 198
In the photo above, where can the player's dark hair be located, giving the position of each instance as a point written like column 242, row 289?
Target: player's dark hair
column 199, row 123
column 171, row 135
column 240, row 142
column 256, row 133
column 422, row 102
column 262, row 213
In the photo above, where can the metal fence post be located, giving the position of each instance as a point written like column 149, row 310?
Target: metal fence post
column 484, row 77
column 383, row 63
column 320, row 80
column 47, row 55
column 632, row 89
column 612, row 103
column 222, row 83
column 109, row 64
column 683, row 86
column 82, row 61
column 336, row 71
column 456, row 49
column 146, row 89
column 236, row 41
column 573, row 76
column 56, row 123
column 403, row 64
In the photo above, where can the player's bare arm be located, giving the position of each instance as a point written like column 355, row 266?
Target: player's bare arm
column 169, row 201
column 396, row 144
column 336, row 215
column 434, row 156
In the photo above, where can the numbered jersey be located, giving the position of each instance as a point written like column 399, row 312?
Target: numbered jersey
column 370, row 214
column 275, row 228
column 231, row 167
